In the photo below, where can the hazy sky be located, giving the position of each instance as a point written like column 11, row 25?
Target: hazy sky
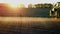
column 28, row 1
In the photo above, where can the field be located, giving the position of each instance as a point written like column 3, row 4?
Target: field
column 29, row 25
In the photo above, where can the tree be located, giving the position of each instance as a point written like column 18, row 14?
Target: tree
column 43, row 5
column 30, row 6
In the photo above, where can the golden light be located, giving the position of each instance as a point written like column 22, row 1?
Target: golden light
column 13, row 5
column 16, row 6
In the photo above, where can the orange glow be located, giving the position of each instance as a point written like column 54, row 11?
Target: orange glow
column 13, row 6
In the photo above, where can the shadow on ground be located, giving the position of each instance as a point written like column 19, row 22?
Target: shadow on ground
column 49, row 27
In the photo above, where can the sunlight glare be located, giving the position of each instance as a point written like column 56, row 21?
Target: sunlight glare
column 14, row 5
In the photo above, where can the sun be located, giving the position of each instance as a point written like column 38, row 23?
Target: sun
column 13, row 5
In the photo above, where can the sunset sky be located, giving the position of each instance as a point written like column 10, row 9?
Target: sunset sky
column 26, row 2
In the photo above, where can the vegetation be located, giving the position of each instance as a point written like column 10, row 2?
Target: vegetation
column 43, row 5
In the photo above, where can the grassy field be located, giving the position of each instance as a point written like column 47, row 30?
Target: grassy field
column 29, row 25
